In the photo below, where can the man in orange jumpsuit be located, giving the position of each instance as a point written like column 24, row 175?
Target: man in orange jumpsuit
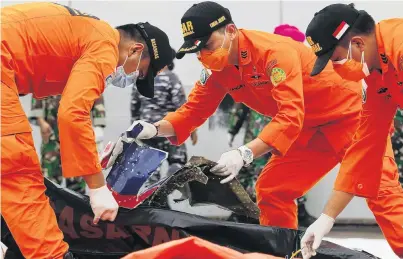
column 314, row 118
column 360, row 49
column 50, row 49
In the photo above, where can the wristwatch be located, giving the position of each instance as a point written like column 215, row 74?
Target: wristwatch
column 246, row 154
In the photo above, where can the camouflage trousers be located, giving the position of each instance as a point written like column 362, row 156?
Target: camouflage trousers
column 248, row 175
column 52, row 169
column 176, row 154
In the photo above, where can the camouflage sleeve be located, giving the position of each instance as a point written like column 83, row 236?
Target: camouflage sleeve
column 177, row 92
column 135, row 105
column 237, row 117
column 98, row 113
column 37, row 110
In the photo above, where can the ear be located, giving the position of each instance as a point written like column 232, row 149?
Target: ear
column 136, row 47
column 231, row 31
column 359, row 42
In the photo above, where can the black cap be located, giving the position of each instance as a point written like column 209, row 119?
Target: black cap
column 161, row 55
column 199, row 22
column 327, row 28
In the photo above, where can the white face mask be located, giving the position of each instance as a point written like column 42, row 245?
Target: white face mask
column 120, row 79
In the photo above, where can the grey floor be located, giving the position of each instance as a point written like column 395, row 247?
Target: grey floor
column 369, row 239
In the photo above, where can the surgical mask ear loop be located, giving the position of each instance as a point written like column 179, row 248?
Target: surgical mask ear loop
column 123, row 65
column 225, row 35
column 230, row 43
column 349, row 54
column 362, row 57
column 138, row 64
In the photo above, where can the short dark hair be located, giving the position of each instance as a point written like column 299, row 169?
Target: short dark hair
column 221, row 30
column 365, row 25
column 130, row 32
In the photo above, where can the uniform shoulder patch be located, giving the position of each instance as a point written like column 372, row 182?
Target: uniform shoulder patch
column 277, row 76
column 204, row 76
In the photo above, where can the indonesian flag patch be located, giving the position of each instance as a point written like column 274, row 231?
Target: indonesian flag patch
column 340, row 30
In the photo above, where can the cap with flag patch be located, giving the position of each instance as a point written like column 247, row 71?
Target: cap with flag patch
column 199, row 22
column 327, row 28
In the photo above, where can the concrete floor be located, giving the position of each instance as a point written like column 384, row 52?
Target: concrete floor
column 369, row 239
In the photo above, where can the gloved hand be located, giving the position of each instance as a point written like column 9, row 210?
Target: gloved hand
column 230, row 139
column 149, row 130
column 113, row 150
column 3, row 250
column 314, row 234
column 229, row 164
column 99, row 134
column 103, row 204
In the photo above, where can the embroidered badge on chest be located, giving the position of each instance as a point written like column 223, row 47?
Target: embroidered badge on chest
column 384, row 58
column 244, row 54
column 270, row 66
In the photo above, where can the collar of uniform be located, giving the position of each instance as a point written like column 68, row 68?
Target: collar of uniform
column 244, row 55
column 117, row 36
column 383, row 58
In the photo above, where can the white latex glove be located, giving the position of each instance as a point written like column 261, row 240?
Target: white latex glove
column 149, row 130
column 229, row 164
column 3, row 249
column 99, row 134
column 230, row 139
column 113, row 150
column 314, row 234
column 103, row 204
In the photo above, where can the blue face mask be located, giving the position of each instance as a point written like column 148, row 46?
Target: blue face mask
column 120, row 79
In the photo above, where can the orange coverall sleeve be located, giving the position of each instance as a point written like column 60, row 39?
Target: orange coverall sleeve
column 361, row 168
column 283, row 66
column 86, row 83
column 202, row 103
column 398, row 53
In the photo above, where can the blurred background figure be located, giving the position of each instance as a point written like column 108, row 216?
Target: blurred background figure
column 169, row 95
column 44, row 114
column 397, row 143
column 254, row 123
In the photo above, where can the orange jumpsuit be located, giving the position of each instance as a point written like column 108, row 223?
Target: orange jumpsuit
column 48, row 49
column 360, row 171
column 314, row 121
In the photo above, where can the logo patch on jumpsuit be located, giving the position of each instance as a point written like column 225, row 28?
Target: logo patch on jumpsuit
column 204, row 76
column 277, row 76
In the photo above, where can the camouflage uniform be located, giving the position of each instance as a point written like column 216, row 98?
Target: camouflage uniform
column 255, row 122
column 397, row 143
column 169, row 95
column 50, row 152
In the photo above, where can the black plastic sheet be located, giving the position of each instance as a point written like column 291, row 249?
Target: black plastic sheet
column 144, row 227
